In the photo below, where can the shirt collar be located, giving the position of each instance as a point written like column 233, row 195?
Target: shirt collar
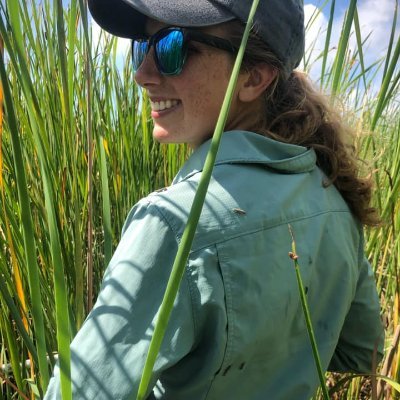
column 241, row 147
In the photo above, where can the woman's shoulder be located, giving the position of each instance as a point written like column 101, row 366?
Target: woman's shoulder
column 242, row 198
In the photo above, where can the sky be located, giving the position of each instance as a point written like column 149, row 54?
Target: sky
column 375, row 16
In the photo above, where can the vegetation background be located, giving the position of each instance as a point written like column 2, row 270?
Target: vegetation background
column 77, row 152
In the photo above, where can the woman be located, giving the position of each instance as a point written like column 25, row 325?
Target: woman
column 237, row 329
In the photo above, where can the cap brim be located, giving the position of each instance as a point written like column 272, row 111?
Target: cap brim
column 126, row 18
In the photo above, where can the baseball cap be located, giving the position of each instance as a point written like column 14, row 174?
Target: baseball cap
column 279, row 23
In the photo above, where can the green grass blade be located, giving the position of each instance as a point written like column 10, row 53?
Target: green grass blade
column 13, row 350
column 72, row 26
column 63, row 58
column 343, row 44
column 88, row 68
column 327, row 42
column 391, row 40
column 13, row 8
column 106, row 203
column 18, row 57
column 178, row 267
column 293, row 255
column 18, row 321
column 28, row 231
column 385, row 88
column 62, row 314
column 78, row 263
column 360, row 48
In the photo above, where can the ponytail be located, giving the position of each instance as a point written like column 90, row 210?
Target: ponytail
column 296, row 113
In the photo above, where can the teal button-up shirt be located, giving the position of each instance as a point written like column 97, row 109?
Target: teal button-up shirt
column 237, row 329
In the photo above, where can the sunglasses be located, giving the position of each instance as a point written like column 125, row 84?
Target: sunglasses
column 171, row 47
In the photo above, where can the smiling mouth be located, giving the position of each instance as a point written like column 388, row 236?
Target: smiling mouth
column 163, row 105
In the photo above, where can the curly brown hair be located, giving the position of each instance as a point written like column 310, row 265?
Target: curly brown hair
column 296, row 113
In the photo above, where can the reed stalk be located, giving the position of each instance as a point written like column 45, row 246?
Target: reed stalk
column 306, row 311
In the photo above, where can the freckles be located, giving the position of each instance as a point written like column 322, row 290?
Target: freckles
column 206, row 99
column 202, row 97
column 210, row 76
column 200, row 104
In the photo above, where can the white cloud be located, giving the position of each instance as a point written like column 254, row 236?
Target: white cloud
column 376, row 17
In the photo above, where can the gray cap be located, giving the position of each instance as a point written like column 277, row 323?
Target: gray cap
column 280, row 23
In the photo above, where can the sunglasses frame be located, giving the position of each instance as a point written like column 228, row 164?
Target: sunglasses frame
column 188, row 35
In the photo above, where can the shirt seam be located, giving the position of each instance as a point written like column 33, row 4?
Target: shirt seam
column 192, row 301
column 296, row 161
column 230, row 315
column 164, row 218
column 229, row 307
column 188, row 281
column 266, row 227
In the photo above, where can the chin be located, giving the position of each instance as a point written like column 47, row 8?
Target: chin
column 166, row 136
column 161, row 135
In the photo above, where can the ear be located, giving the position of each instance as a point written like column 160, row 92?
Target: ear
column 254, row 81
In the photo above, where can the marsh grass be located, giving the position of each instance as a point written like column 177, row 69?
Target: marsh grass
column 77, row 153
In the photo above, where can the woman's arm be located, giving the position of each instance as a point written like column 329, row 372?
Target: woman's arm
column 362, row 334
column 109, row 351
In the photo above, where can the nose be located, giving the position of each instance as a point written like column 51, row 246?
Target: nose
column 147, row 74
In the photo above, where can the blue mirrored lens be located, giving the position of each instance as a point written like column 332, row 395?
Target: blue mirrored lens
column 170, row 54
column 139, row 51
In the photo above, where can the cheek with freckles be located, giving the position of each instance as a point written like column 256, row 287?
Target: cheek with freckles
column 205, row 96
column 200, row 89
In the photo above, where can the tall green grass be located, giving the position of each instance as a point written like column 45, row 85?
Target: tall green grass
column 77, row 153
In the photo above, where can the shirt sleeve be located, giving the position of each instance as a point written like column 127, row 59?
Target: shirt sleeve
column 362, row 334
column 109, row 351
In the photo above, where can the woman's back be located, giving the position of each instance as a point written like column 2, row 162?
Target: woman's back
column 249, row 335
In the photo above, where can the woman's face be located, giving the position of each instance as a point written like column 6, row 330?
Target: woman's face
column 193, row 98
